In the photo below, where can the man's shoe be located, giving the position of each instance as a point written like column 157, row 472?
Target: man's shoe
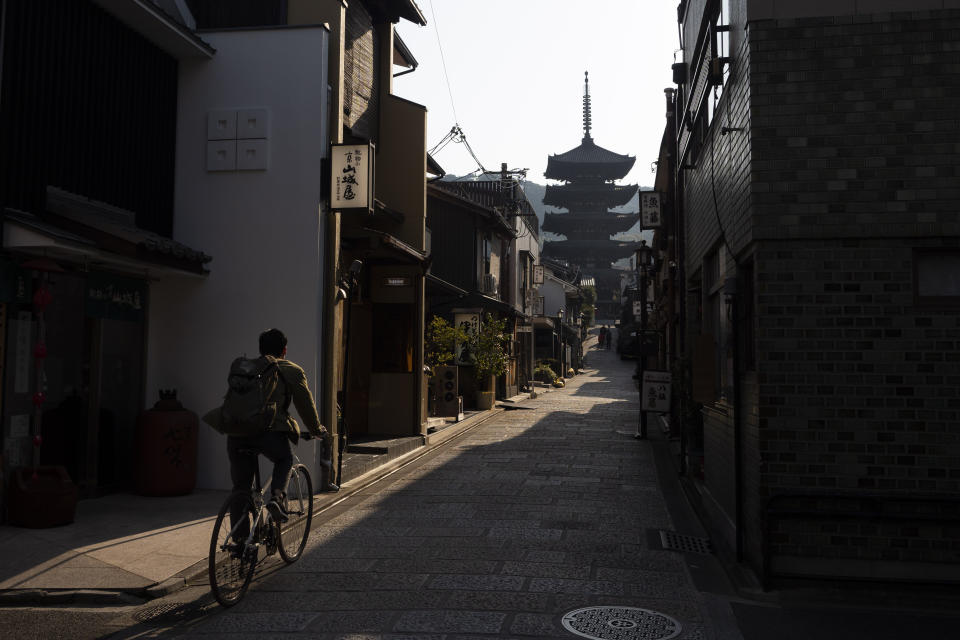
column 277, row 511
column 331, row 487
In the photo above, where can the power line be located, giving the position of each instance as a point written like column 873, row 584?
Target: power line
column 436, row 29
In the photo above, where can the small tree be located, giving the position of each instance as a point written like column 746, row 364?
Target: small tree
column 589, row 300
column 490, row 346
column 441, row 341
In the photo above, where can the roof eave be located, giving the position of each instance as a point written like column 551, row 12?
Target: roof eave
column 152, row 23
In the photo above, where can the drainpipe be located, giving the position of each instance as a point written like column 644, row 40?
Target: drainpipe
column 730, row 291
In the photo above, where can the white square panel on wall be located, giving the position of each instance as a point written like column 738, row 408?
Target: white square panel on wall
column 221, row 125
column 252, row 155
column 222, row 155
column 253, row 124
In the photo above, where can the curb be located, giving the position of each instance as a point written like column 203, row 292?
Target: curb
column 50, row 597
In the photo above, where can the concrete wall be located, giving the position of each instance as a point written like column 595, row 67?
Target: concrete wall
column 263, row 227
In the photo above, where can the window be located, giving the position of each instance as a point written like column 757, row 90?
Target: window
column 936, row 275
column 715, row 320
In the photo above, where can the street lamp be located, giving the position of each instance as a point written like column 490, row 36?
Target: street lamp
column 644, row 260
column 563, row 350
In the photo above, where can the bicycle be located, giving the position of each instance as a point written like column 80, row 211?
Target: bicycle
column 245, row 527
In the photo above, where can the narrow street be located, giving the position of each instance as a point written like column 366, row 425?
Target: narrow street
column 546, row 513
column 501, row 532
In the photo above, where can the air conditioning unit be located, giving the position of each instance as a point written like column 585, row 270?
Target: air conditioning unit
column 489, row 283
column 446, row 382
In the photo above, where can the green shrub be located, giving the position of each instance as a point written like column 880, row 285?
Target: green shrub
column 544, row 373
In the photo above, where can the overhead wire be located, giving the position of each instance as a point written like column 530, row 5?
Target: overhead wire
column 436, row 30
column 456, row 134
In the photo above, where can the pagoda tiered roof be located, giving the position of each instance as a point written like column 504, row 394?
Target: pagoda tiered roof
column 602, row 195
column 583, row 250
column 588, row 161
column 608, row 223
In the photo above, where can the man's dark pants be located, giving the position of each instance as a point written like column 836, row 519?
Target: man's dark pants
column 275, row 446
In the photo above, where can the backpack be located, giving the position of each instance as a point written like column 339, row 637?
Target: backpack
column 250, row 405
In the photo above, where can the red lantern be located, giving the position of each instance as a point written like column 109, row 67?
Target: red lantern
column 40, row 351
column 39, row 398
column 37, row 440
column 41, row 298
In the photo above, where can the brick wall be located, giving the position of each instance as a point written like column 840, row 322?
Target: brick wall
column 859, row 390
column 850, row 161
column 855, row 126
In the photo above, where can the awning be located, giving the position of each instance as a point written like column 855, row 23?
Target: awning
column 152, row 23
column 27, row 234
column 79, row 230
column 476, row 300
column 439, row 285
column 381, row 246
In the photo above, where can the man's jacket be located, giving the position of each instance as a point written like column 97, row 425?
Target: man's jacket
column 296, row 389
column 293, row 387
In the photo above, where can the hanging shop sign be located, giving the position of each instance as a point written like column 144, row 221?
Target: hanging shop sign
column 650, row 209
column 16, row 284
column 656, row 391
column 351, row 177
column 115, row 297
column 537, row 274
column 470, row 323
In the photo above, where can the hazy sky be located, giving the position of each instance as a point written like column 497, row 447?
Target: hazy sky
column 516, row 75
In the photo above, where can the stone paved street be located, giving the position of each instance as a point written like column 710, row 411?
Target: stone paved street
column 534, row 513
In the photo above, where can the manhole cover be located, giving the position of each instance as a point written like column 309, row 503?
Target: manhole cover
column 621, row 623
column 673, row 541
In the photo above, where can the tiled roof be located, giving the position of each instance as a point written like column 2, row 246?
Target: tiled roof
column 588, row 159
column 101, row 222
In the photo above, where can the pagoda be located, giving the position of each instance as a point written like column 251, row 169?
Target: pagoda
column 589, row 190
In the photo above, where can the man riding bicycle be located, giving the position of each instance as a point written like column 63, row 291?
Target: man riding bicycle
column 274, row 443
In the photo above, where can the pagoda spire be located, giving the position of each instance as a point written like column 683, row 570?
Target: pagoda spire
column 586, row 106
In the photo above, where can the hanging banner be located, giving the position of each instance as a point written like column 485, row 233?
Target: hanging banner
column 115, row 297
column 650, row 209
column 470, row 323
column 351, row 177
column 537, row 274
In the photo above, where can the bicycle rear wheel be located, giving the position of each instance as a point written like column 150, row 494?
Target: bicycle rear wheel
column 299, row 505
column 230, row 564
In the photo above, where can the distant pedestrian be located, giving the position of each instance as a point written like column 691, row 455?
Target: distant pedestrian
column 601, row 336
column 608, row 339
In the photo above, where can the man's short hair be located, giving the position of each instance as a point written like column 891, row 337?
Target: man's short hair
column 272, row 343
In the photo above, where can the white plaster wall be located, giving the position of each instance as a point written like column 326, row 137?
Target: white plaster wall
column 554, row 298
column 263, row 228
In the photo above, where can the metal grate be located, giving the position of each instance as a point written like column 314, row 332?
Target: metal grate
column 621, row 623
column 674, row 541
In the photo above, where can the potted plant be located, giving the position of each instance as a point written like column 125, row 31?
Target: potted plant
column 490, row 347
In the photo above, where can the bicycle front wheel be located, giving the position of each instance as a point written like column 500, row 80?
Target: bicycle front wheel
column 299, row 505
column 231, row 565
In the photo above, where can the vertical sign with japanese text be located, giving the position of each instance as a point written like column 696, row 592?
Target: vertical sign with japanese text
column 655, row 393
column 351, row 176
column 470, row 324
column 650, row 209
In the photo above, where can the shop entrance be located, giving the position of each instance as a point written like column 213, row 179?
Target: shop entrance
column 91, row 377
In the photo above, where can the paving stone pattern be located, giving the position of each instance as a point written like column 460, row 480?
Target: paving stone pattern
column 496, row 534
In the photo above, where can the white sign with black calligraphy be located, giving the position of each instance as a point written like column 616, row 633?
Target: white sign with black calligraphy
column 351, row 170
column 650, row 209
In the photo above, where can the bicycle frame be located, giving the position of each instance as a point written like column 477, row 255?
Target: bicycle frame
column 257, row 493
